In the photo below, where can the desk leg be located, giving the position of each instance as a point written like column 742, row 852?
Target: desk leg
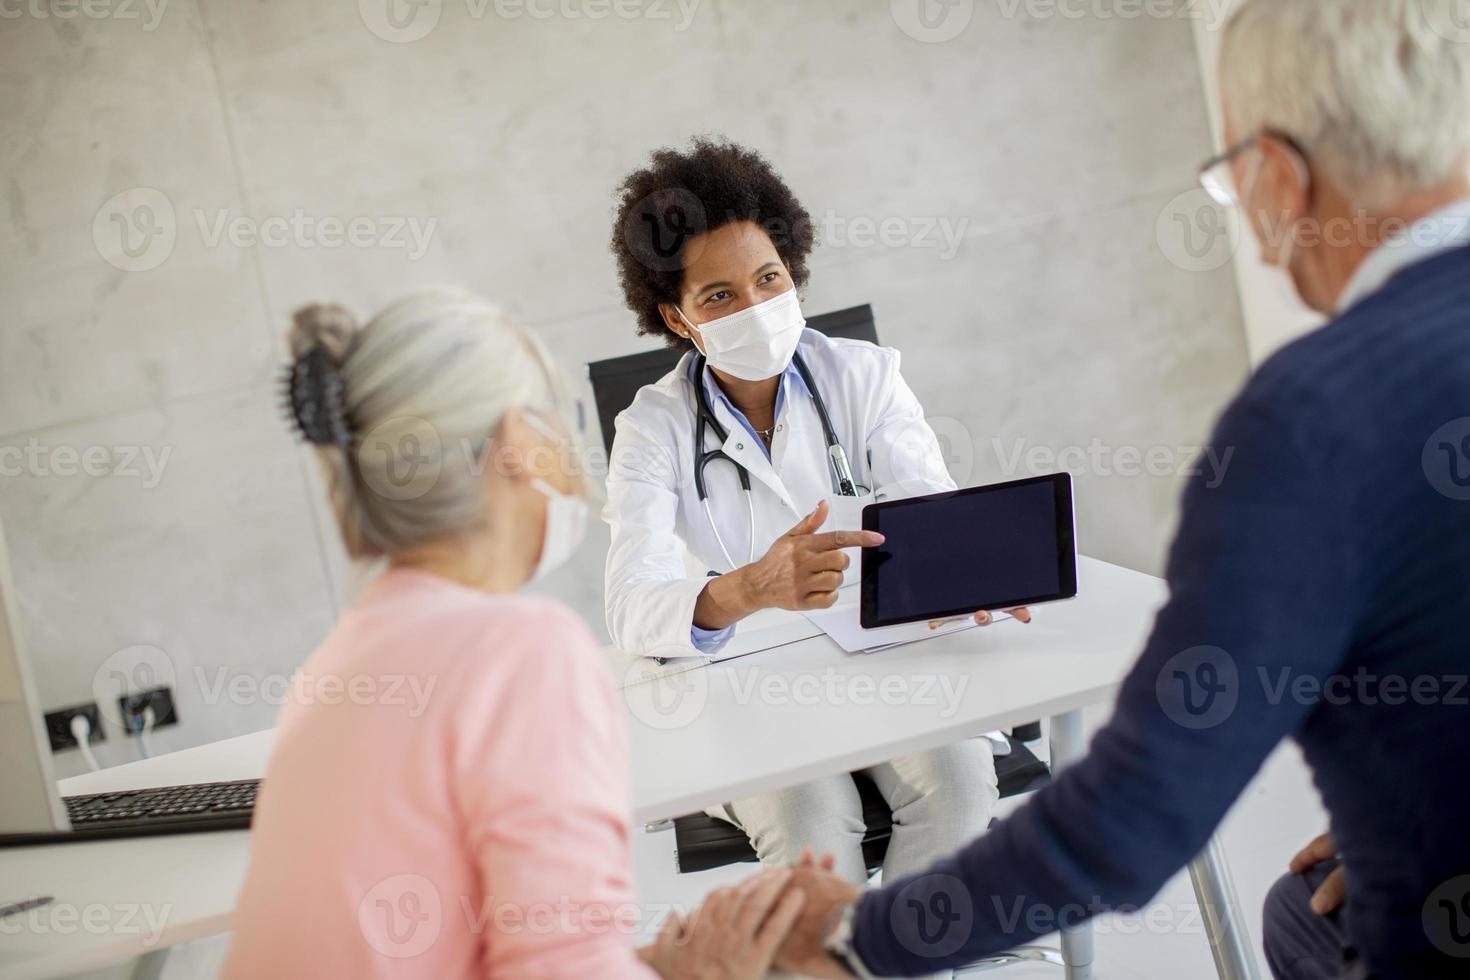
column 150, row 965
column 1230, row 941
column 1067, row 747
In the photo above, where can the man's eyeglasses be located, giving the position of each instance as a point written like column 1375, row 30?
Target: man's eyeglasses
column 1218, row 178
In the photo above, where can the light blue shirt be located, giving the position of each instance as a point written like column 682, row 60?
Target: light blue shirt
column 710, row 641
column 1447, row 228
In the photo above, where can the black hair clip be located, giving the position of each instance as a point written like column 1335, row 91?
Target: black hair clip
column 314, row 392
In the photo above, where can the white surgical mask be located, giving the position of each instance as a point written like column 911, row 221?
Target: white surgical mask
column 756, row 343
column 566, row 526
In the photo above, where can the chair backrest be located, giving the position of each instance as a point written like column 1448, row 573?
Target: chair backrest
column 616, row 380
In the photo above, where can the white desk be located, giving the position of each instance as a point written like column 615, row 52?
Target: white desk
column 697, row 738
column 187, row 883
column 716, row 733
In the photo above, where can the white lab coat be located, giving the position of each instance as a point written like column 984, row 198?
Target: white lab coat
column 662, row 545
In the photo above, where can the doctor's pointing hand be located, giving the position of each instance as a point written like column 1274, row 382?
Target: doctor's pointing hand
column 803, row 569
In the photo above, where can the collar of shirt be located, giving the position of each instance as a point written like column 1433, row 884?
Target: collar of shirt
column 1431, row 235
column 791, row 378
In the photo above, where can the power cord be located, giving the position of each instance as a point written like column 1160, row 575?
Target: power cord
column 146, row 722
column 81, row 730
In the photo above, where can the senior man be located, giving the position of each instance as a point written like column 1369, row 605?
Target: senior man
column 1321, row 592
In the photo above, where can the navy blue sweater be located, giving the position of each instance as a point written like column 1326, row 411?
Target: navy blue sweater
column 1322, row 592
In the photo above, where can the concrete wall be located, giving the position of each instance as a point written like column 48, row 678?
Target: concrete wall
column 1003, row 183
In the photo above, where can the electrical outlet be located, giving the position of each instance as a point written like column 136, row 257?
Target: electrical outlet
column 58, row 725
column 130, row 708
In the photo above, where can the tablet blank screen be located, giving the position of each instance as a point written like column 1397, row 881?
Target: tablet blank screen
column 968, row 552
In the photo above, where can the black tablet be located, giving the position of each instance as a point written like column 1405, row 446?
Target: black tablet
column 949, row 554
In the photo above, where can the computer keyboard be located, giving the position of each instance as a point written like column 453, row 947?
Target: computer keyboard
column 218, row 800
column 146, row 812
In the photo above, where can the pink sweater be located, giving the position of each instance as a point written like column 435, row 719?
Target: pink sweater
column 446, row 797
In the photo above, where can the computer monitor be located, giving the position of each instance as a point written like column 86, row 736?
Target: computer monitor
column 30, row 803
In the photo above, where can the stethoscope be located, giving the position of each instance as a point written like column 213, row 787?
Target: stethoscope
column 705, row 417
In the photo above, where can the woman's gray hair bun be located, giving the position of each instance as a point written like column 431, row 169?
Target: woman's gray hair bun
column 322, row 337
column 400, row 409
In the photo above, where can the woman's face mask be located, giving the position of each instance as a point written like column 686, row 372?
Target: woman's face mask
column 756, row 343
column 566, row 513
column 566, row 527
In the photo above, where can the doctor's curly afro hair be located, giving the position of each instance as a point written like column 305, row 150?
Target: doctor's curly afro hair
column 681, row 195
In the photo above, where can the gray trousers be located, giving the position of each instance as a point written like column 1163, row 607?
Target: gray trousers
column 1299, row 943
column 941, row 800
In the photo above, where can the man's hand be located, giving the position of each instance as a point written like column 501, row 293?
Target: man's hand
column 1330, row 896
column 804, row 952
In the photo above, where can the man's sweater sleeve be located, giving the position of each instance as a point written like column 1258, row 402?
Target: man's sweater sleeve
column 1262, row 582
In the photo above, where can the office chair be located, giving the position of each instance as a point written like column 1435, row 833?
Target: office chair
column 616, row 380
column 703, row 842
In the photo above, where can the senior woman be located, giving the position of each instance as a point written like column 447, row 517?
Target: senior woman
column 712, row 247
column 480, row 827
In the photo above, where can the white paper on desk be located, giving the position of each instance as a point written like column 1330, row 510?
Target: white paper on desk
column 764, row 630
column 841, row 623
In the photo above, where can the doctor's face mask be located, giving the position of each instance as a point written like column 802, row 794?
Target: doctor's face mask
column 755, row 343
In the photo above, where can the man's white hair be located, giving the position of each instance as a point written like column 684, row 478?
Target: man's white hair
column 1376, row 91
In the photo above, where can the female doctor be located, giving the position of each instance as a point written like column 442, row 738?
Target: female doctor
column 736, row 481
